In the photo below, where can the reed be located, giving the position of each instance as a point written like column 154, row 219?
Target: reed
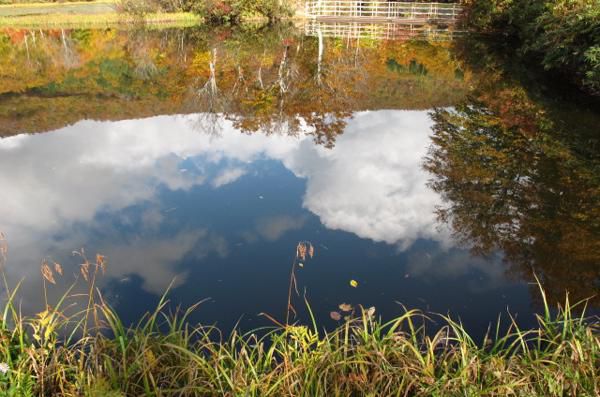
column 91, row 353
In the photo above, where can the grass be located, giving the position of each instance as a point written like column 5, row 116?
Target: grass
column 91, row 353
column 49, row 2
column 98, row 20
column 41, row 9
column 84, row 14
column 55, row 5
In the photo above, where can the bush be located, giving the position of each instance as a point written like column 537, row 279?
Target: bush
column 562, row 35
column 567, row 35
column 135, row 8
column 272, row 9
column 214, row 11
column 220, row 11
column 143, row 7
column 486, row 15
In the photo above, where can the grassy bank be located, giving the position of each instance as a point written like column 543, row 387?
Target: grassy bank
column 88, row 7
column 110, row 12
column 85, row 14
column 91, row 353
column 99, row 20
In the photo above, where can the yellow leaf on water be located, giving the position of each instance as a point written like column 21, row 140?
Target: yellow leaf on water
column 345, row 307
column 353, row 283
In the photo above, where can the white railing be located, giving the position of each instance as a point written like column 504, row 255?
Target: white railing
column 379, row 31
column 351, row 9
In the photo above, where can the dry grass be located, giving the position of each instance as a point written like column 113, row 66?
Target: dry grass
column 91, row 353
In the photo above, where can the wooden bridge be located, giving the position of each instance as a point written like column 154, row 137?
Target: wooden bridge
column 379, row 31
column 382, row 11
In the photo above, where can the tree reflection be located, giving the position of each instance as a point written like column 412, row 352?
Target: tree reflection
column 511, row 182
column 272, row 81
column 282, row 98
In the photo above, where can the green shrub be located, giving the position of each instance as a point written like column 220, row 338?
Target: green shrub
column 567, row 35
column 562, row 35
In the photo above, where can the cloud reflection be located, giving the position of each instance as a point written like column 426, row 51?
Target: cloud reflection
column 371, row 184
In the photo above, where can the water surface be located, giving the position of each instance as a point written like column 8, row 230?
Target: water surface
column 200, row 159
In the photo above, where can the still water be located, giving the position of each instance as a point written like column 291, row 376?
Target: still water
column 426, row 170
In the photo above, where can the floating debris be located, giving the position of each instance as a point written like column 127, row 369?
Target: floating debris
column 370, row 312
column 335, row 316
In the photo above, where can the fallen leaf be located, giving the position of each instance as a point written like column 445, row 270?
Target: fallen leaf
column 353, row 283
column 345, row 307
column 301, row 264
column 335, row 316
column 58, row 268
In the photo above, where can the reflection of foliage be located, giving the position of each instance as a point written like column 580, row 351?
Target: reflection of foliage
column 413, row 67
column 510, row 182
column 261, row 80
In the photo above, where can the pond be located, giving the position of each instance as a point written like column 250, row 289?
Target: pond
column 430, row 171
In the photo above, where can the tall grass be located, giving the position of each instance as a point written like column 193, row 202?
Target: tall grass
column 91, row 353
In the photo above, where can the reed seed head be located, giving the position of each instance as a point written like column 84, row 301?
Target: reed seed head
column 47, row 272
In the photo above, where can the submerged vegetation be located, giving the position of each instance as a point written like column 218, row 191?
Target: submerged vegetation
column 69, row 352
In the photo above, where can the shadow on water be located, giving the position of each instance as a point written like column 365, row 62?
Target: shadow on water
column 517, row 163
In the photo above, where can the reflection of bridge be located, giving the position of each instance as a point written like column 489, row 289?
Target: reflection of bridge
column 382, row 11
column 379, row 31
